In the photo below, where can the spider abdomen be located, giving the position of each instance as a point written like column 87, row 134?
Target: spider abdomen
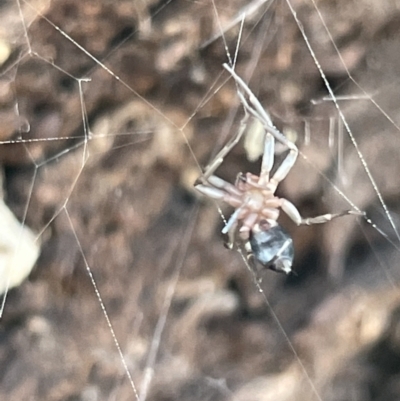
column 273, row 248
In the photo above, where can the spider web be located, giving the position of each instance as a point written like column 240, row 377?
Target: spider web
column 109, row 112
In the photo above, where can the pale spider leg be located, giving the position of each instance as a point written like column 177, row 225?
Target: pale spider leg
column 270, row 214
column 267, row 159
column 284, row 169
column 232, row 222
column 230, row 198
column 281, row 250
column 224, row 185
column 294, row 215
column 257, row 110
column 219, row 158
column 248, row 225
column 269, row 128
column 218, row 194
column 250, row 256
column 231, row 236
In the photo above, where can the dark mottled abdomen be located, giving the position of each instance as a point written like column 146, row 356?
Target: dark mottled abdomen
column 273, row 248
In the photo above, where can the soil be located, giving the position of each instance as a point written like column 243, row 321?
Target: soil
column 113, row 192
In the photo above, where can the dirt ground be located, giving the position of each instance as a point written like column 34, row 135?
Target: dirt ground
column 187, row 313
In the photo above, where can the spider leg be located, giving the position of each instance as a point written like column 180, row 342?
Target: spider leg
column 230, row 228
column 250, row 256
column 284, row 169
column 231, row 236
column 267, row 159
column 219, row 194
column 217, row 182
column 219, row 158
column 294, row 215
column 254, row 108
column 232, row 222
column 248, row 225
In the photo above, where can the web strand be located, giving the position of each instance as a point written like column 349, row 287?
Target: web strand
column 129, row 222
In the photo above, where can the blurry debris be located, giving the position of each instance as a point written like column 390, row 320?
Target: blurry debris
column 281, row 386
column 180, row 37
column 5, row 51
column 254, row 140
column 19, row 250
column 120, row 206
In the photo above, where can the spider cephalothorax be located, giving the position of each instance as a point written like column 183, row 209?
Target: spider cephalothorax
column 253, row 197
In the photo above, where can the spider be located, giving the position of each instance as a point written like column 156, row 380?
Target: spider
column 253, row 197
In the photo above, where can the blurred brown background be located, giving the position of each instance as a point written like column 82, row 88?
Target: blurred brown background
column 187, row 314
